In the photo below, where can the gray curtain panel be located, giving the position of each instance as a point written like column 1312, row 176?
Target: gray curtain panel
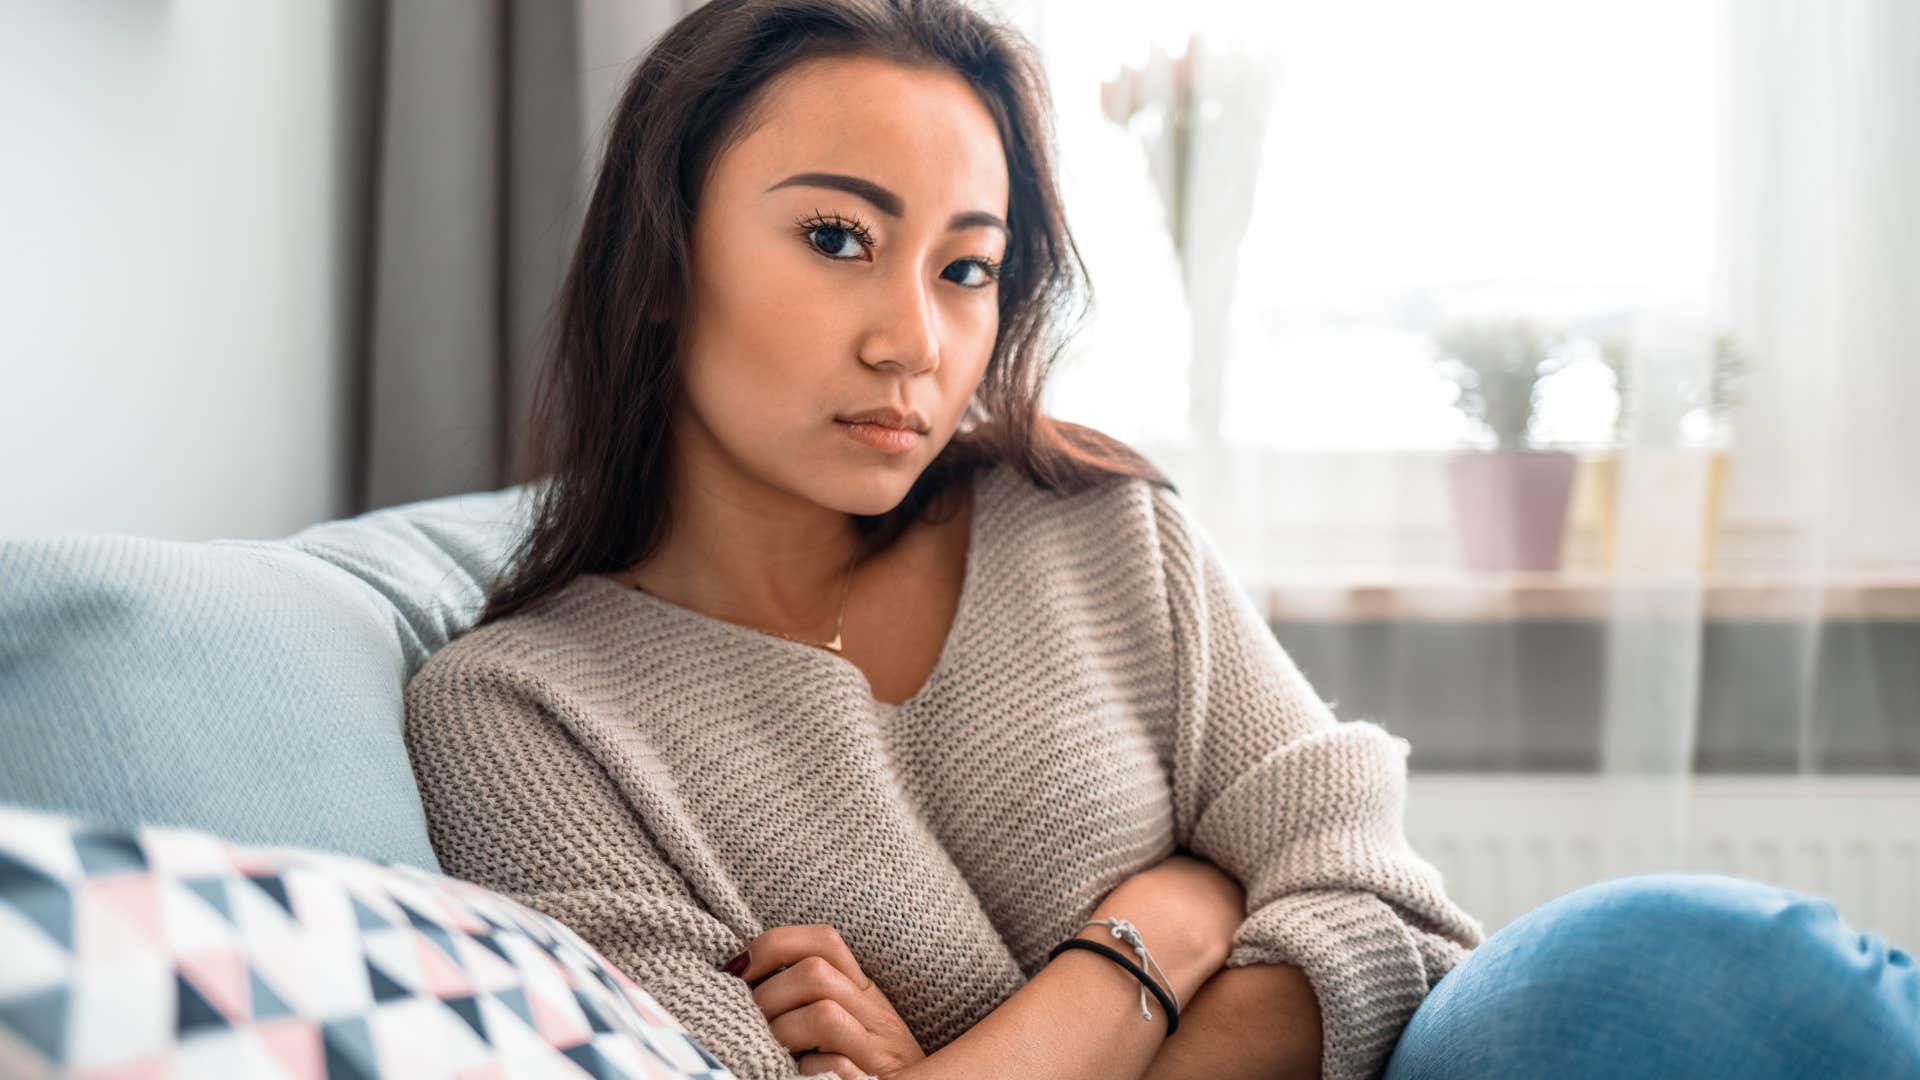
column 478, row 139
column 485, row 120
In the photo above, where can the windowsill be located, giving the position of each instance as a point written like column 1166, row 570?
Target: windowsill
column 1592, row 596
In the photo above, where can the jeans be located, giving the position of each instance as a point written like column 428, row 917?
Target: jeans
column 1671, row 975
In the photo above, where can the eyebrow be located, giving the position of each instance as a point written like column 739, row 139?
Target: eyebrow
column 885, row 201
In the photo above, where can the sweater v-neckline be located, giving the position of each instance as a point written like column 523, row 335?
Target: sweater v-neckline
column 983, row 481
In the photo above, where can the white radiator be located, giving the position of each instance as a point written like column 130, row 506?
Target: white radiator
column 1507, row 843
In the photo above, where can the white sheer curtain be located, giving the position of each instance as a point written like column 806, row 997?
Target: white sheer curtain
column 1719, row 200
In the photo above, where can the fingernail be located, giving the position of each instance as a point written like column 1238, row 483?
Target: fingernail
column 736, row 965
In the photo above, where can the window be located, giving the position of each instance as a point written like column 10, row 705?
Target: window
column 1417, row 161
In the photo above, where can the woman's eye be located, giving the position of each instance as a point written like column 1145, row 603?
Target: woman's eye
column 973, row 274
column 835, row 242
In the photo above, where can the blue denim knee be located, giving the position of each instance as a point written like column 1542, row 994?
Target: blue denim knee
column 1698, row 975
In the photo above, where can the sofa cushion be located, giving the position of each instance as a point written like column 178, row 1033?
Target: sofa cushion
column 170, row 952
column 252, row 688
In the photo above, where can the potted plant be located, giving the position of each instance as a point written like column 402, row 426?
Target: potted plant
column 1510, row 495
column 1670, row 432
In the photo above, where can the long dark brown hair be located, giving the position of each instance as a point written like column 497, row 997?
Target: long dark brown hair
column 597, row 446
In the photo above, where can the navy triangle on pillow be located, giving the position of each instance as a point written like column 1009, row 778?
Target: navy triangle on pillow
column 192, row 1011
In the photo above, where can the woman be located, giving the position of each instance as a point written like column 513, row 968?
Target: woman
column 836, row 687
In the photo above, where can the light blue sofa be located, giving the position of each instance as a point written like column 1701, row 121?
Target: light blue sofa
column 249, row 688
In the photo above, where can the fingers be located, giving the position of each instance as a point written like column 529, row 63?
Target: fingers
column 784, row 946
column 811, row 979
column 819, row 1003
column 825, row 1026
column 836, row 1064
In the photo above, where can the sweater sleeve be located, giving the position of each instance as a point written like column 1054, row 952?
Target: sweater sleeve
column 1305, row 811
column 505, row 785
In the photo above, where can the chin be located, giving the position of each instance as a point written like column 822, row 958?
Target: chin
column 863, row 488
column 874, row 494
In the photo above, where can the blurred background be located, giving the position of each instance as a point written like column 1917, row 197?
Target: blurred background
column 1548, row 372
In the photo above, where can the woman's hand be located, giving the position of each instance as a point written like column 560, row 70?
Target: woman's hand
column 823, row 1008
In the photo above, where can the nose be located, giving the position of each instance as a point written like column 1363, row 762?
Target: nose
column 905, row 330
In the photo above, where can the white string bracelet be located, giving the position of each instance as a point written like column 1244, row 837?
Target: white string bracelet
column 1127, row 932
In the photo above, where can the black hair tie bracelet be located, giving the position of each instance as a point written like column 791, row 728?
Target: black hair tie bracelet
column 1166, row 1003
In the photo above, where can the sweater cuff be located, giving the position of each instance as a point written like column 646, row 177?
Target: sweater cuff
column 1362, row 961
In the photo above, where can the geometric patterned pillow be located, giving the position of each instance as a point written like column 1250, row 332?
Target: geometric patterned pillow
column 171, row 953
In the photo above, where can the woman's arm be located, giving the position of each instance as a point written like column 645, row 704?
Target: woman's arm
column 1079, row 1017
column 1231, row 1032
column 1304, row 810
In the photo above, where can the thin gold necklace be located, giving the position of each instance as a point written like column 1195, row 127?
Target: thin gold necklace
column 834, row 645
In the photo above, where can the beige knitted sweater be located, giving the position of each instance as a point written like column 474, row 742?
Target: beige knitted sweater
column 670, row 784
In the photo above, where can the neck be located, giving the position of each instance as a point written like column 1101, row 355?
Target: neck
column 750, row 554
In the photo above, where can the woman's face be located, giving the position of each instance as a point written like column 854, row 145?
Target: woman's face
column 844, row 259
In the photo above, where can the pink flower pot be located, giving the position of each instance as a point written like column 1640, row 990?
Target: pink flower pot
column 1510, row 508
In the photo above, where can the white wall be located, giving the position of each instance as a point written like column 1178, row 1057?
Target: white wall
column 177, row 206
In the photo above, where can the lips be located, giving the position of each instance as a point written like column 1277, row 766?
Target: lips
column 893, row 440
column 888, row 417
